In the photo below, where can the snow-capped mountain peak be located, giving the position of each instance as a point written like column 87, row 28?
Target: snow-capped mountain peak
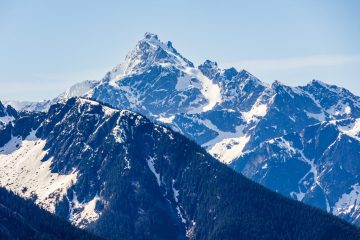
column 156, row 78
column 337, row 102
column 317, row 85
column 148, row 52
column 209, row 68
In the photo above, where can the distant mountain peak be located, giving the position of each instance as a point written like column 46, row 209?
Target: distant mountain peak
column 165, row 51
column 2, row 108
column 149, row 35
column 153, row 39
column 276, row 84
column 317, row 87
column 209, row 68
column 210, row 64
column 315, row 81
column 7, row 114
column 230, row 72
column 317, row 84
column 245, row 74
column 149, row 52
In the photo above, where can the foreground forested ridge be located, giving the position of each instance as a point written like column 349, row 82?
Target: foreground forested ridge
column 21, row 219
column 119, row 175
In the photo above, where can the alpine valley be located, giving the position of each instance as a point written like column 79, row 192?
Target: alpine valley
column 149, row 152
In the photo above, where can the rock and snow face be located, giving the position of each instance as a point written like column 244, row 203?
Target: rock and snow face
column 155, row 79
column 64, row 162
column 231, row 113
column 318, row 166
column 83, row 158
column 348, row 205
column 335, row 102
column 158, row 82
column 7, row 115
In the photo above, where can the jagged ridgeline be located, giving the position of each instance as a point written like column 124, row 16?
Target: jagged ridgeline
column 119, row 175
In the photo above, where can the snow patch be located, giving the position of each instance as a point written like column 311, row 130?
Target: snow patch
column 258, row 110
column 227, row 146
column 210, row 90
column 151, row 165
column 175, row 192
column 349, row 202
column 352, row 130
column 6, row 119
column 339, row 109
column 88, row 101
column 176, row 195
column 169, row 119
column 347, row 110
column 318, row 116
column 183, row 82
column 117, row 133
column 81, row 214
column 229, row 149
column 23, row 171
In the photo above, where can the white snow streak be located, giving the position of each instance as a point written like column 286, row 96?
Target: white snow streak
column 151, row 165
column 210, row 90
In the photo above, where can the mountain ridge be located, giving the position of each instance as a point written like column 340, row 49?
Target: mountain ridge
column 127, row 178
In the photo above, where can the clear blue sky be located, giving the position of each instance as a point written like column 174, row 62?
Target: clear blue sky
column 46, row 46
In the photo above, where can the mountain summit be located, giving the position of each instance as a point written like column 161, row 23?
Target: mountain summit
column 156, row 79
column 148, row 52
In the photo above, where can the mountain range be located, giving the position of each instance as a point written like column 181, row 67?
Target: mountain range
column 302, row 142
column 120, row 176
